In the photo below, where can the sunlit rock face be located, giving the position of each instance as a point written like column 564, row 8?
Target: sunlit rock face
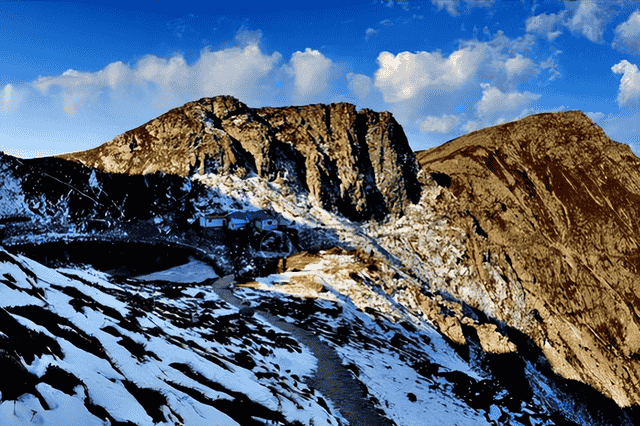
column 357, row 163
column 551, row 208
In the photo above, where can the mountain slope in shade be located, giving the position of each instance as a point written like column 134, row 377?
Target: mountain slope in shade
column 358, row 163
column 553, row 205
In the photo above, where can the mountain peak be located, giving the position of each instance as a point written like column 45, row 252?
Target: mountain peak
column 553, row 203
column 357, row 163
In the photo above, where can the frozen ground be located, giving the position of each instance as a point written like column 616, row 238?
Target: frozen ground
column 103, row 351
column 193, row 272
column 83, row 348
column 165, row 348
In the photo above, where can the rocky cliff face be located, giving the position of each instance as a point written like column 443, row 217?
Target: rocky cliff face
column 357, row 163
column 553, row 205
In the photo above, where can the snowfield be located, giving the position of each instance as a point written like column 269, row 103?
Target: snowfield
column 110, row 361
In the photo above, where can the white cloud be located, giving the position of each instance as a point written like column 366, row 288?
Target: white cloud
column 452, row 6
column 495, row 102
column 551, row 64
column 627, row 37
column 245, row 36
column 589, row 20
column 595, row 116
column 518, row 66
column 164, row 83
column 586, row 18
column 405, row 75
column 629, row 89
column 370, row 32
column 234, row 71
column 444, row 124
column 311, row 70
column 545, row 25
column 471, row 125
column 113, row 75
column 402, row 3
column 359, row 84
column 410, row 76
column 11, row 99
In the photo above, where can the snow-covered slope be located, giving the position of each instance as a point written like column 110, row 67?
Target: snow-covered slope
column 77, row 348
column 400, row 270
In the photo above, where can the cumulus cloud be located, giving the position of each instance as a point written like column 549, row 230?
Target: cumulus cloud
column 359, row 84
column 311, row 71
column 405, row 75
column 415, row 76
column 546, row 25
column 166, row 82
column 443, row 124
column 234, row 71
column 449, row 5
column 113, row 75
column 495, row 102
column 245, row 36
column 11, row 99
column 518, row 66
column 629, row 90
column 589, row 20
column 627, row 38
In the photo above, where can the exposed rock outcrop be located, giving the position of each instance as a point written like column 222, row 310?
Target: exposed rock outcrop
column 357, row 163
column 553, row 205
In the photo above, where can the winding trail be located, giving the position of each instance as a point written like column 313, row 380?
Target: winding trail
column 331, row 378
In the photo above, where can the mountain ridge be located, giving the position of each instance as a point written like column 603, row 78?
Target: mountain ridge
column 491, row 275
column 542, row 173
column 359, row 163
column 553, row 202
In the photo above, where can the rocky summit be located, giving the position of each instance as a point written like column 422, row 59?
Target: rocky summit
column 553, row 205
column 358, row 163
column 302, row 266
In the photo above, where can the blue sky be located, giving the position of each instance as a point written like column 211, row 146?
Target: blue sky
column 76, row 74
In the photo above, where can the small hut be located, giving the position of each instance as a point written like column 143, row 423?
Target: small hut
column 213, row 221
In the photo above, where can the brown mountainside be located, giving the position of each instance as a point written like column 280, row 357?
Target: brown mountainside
column 358, row 163
column 554, row 204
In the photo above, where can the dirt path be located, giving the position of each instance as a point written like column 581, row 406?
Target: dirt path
column 331, row 378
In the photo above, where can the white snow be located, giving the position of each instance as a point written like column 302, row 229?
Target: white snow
column 104, row 379
column 193, row 272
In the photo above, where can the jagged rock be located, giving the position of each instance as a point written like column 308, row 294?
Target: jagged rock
column 357, row 163
column 448, row 325
column 550, row 206
column 492, row 341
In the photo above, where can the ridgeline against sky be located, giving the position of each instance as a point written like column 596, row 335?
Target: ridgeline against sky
column 442, row 67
